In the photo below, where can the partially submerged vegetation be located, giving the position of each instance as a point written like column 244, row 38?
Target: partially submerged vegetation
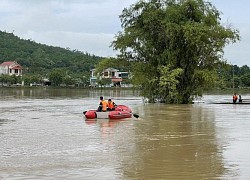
column 176, row 47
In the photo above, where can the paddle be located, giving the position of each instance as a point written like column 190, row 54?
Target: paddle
column 136, row 115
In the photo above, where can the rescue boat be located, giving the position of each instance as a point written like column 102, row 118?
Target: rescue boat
column 120, row 112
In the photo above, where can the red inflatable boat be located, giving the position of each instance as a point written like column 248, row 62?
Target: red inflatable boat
column 120, row 112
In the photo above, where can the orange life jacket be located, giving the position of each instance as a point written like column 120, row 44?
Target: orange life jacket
column 111, row 105
column 235, row 97
column 104, row 105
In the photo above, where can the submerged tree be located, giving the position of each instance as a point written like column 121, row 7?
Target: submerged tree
column 175, row 46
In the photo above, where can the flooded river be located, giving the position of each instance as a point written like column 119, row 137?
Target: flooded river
column 43, row 135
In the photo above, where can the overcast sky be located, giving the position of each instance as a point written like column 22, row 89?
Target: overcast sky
column 90, row 25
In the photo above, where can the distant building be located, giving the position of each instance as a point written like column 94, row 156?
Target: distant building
column 116, row 77
column 11, row 68
column 46, row 82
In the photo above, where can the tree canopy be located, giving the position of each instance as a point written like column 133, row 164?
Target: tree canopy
column 176, row 46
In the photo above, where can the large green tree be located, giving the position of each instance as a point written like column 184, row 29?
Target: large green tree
column 184, row 37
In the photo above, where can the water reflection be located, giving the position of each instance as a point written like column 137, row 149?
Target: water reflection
column 175, row 139
column 50, row 92
column 4, row 121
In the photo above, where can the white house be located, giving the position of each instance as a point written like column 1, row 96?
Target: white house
column 114, row 75
column 11, row 68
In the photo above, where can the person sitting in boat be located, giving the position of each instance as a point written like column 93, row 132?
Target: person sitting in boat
column 235, row 97
column 111, row 105
column 240, row 100
column 102, row 105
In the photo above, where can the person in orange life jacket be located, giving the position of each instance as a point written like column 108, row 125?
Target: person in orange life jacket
column 111, row 105
column 235, row 98
column 102, row 105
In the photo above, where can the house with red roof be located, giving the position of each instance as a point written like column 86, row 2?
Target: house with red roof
column 11, row 68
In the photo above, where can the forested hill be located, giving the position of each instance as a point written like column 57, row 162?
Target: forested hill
column 38, row 58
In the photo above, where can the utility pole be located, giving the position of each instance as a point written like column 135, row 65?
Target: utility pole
column 233, row 78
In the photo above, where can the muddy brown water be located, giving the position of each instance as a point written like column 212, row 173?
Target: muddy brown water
column 43, row 135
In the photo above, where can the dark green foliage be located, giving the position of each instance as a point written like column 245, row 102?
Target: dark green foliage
column 41, row 59
column 56, row 77
column 32, row 79
column 232, row 76
column 9, row 80
column 102, row 82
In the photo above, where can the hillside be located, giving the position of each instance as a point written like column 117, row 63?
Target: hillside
column 38, row 58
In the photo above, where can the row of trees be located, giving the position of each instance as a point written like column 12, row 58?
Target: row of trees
column 56, row 77
column 6, row 79
column 228, row 76
column 233, row 76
